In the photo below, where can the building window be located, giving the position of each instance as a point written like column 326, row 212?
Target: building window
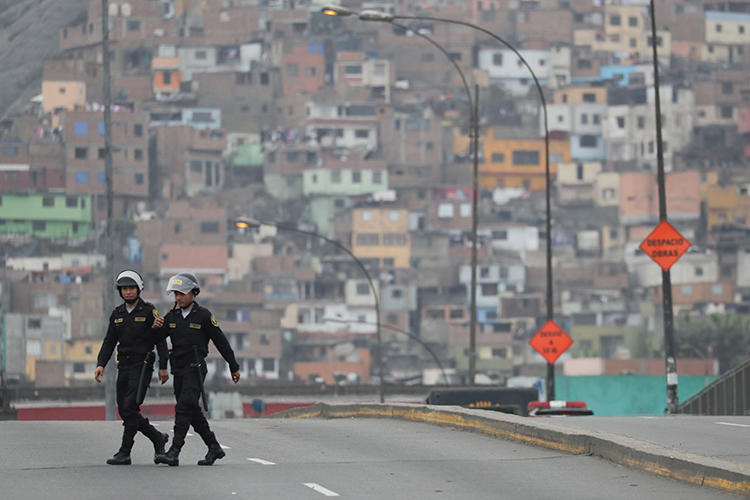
column 353, row 70
column 377, row 177
column 620, row 122
column 139, row 179
column 81, row 128
column 717, row 289
column 641, row 122
column 584, row 118
column 498, row 157
column 456, row 313
column 394, row 215
column 595, row 119
column 489, row 290
column 588, row 141
column 138, row 155
column 499, row 352
column 589, row 97
column 428, row 57
column 368, row 239
column 397, row 293
column 726, row 111
column 394, row 239
column 134, row 25
column 392, row 319
column 167, row 77
column 269, row 364
column 48, row 201
column 361, row 133
column 445, row 211
column 686, row 290
column 71, row 202
column 497, row 59
column 464, row 209
column 521, row 158
column 39, row 225
column 633, row 21
column 357, row 177
column 363, row 289
column 82, row 178
column 81, row 153
column 698, row 271
column 614, row 20
column 292, row 70
column 336, row 176
column 138, row 130
column 718, row 28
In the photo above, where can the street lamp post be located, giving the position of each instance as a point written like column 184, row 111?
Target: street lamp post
column 244, row 223
column 408, row 334
column 474, row 141
column 374, row 15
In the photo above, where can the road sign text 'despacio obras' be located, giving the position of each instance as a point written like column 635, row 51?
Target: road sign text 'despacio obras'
column 550, row 341
column 665, row 245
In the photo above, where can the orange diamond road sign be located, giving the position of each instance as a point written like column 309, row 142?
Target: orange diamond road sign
column 550, row 341
column 665, row 245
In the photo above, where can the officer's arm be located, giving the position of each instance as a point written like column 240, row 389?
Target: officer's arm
column 108, row 346
column 161, row 343
column 221, row 343
column 105, row 352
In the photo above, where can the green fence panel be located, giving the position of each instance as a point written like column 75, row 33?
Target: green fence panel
column 610, row 395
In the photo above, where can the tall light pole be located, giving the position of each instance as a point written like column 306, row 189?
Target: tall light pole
column 666, row 280
column 374, row 15
column 408, row 334
column 245, row 223
column 474, row 141
column 107, row 302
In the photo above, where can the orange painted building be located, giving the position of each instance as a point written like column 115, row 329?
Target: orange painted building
column 167, row 76
column 519, row 163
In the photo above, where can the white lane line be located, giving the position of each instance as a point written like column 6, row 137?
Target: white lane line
column 731, row 424
column 189, row 435
column 261, row 461
column 225, row 447
column 320, row 489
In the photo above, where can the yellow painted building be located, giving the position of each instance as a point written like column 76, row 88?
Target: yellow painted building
column 65, row 95
column 382, row 234
column 519, row 163
column 727, row 205
column 580, row 95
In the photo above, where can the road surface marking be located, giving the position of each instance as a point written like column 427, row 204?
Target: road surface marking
column 320, row 489
column 189, row 435
column 261, row 461
column 731, row 424
column 225, row 447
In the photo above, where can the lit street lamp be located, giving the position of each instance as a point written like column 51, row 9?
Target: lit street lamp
column 408, row 334
column 245, row 223
column 374, row 15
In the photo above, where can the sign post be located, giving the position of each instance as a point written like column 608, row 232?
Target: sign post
column 665, row 245
column 551, row 341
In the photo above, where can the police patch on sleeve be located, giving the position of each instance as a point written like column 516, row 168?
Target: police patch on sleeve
column 213, row 321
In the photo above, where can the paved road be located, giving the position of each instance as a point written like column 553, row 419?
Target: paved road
column 725, row 437
column 312, row 459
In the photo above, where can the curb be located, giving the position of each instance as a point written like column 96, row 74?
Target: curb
column 634, row 453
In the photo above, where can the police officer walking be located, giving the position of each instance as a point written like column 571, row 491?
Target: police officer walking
column 130, row 329
column 190, row 326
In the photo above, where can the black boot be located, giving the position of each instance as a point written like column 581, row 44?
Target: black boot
column 158, row 439
column 214, row 453
column 120, row 458
column 171, row 457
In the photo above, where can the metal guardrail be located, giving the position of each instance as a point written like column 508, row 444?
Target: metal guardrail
column 727, row 395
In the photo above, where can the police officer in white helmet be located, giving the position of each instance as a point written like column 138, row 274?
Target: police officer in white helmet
column 130, row 329
column 190, row 327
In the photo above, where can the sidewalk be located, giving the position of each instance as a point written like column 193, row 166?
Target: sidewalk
column 686, row 454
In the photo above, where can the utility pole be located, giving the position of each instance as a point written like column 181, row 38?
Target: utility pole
column 666, row 280
column 474, row 223
column 108, row 303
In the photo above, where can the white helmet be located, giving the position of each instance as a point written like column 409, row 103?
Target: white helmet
column 129, row 278
column 184, row 283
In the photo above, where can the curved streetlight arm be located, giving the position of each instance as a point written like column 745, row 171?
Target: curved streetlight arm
column 445, row 53
column 286, row 227
column 408, row 334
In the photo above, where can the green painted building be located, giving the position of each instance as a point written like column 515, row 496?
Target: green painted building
column 45, row 215
column 329, row 190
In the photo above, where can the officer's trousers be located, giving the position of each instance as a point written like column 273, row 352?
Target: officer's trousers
column 128, row 377
column 187, row 391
